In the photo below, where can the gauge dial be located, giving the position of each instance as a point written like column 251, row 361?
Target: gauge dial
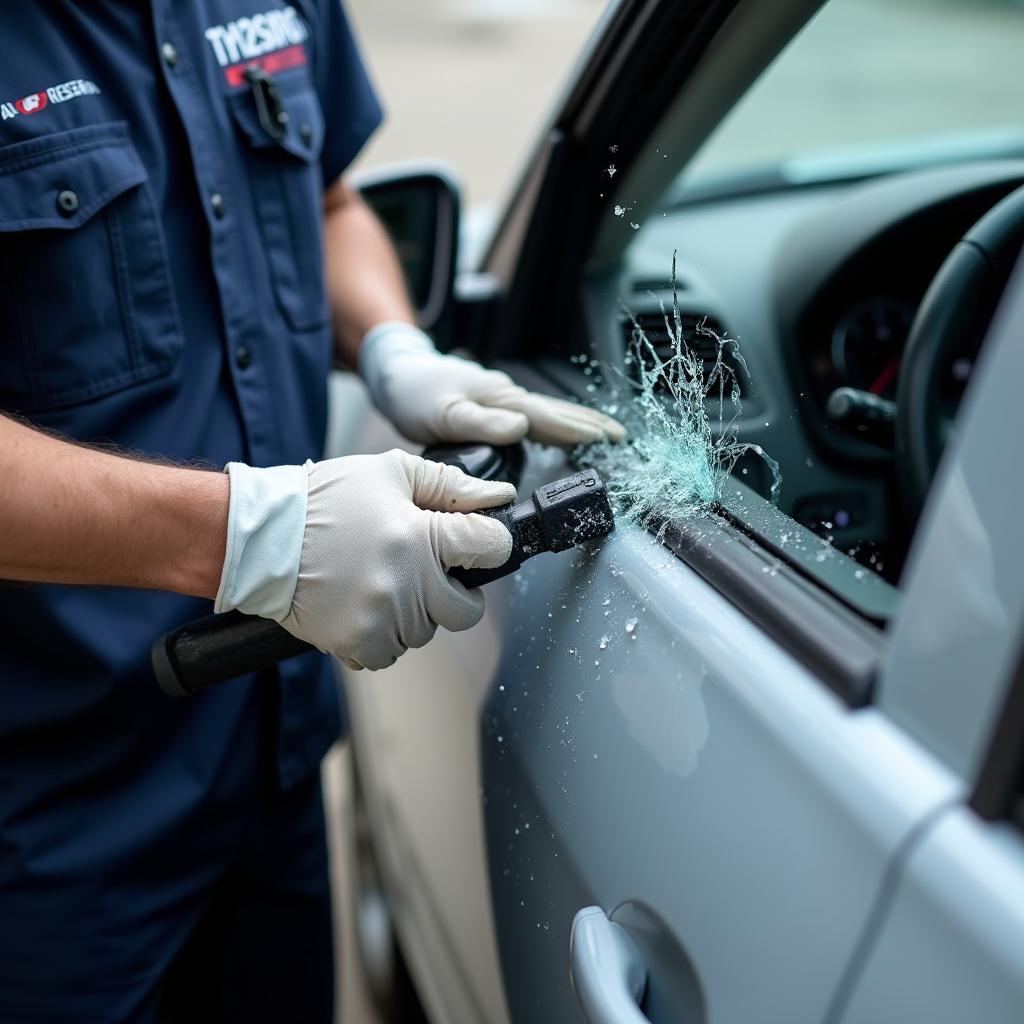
column 868, row 341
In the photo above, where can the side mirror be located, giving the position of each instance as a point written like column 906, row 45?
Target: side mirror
column 418, row 204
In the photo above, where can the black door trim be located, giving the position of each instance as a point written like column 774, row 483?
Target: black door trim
column 999, row 789
column 833, row 642
column 634, row 72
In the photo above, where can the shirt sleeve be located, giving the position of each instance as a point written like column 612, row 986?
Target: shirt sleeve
column 351, row 109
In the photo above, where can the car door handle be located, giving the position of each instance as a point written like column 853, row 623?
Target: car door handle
column 607, row 970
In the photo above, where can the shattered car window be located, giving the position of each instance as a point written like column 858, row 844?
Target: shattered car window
column 683, row 449
column 799, row 412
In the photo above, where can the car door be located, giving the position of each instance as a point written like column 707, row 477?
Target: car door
column 946, row 945
column 768, row 863
column 685, row 735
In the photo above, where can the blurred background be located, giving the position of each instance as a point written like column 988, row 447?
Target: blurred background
column 470, row 82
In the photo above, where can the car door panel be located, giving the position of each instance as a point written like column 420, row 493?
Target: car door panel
column 949, row 949
column 645, row 741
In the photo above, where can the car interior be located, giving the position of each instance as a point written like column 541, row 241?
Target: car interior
column 820, row 260
column 829, row 284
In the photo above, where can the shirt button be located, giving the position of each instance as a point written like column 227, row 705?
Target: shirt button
column 243, row 357
column 170, row 54
column 217, row 205
column 67, row 202
column 306, row 131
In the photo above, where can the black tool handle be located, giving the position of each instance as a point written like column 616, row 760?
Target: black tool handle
column 218, row 647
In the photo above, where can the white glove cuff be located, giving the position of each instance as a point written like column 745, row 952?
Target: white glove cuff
column 383, row 343
column 266, row 523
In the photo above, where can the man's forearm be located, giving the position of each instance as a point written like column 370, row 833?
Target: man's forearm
column 72, row 514
column 365, row 285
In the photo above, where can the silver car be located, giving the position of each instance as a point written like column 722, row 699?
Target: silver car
column 761, row 759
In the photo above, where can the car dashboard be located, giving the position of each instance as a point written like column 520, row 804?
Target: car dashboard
column 819, row 286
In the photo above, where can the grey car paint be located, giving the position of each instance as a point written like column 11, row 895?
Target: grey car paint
column 950, row 947
column 762, row 825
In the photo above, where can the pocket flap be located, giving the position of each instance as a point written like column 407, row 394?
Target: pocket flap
column 61, row 180
column 303, row 135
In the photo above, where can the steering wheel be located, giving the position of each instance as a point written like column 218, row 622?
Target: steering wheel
column 959, row 295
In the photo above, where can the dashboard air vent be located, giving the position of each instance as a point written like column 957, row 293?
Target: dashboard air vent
column 704, row 345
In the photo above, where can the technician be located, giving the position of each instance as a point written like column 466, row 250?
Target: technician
column 181, row 264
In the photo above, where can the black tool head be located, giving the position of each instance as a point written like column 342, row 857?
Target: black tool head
column 573, row 510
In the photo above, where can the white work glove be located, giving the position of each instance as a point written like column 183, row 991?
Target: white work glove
column 351, row 554
column 430, row 397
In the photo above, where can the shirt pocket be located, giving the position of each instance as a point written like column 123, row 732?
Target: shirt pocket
column 87, row 306
column 287, row 189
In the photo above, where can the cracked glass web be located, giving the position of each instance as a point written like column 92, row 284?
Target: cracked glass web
column 683, row 417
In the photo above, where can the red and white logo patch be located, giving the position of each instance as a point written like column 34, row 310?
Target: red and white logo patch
column 31, row 104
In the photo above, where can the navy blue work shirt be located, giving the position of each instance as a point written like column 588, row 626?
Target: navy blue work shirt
column 162, row 292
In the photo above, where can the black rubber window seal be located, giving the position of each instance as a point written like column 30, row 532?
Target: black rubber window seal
column 832, row 641
column 999, row 789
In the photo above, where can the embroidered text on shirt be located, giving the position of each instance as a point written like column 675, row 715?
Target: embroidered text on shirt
column 36, row 101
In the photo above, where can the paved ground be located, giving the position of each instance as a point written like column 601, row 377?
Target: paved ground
column 469, row 81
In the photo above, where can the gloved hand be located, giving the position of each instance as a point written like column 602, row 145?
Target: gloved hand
column 430, row 397
column 351, row 554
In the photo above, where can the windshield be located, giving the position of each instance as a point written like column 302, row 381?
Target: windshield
column 876, row 85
